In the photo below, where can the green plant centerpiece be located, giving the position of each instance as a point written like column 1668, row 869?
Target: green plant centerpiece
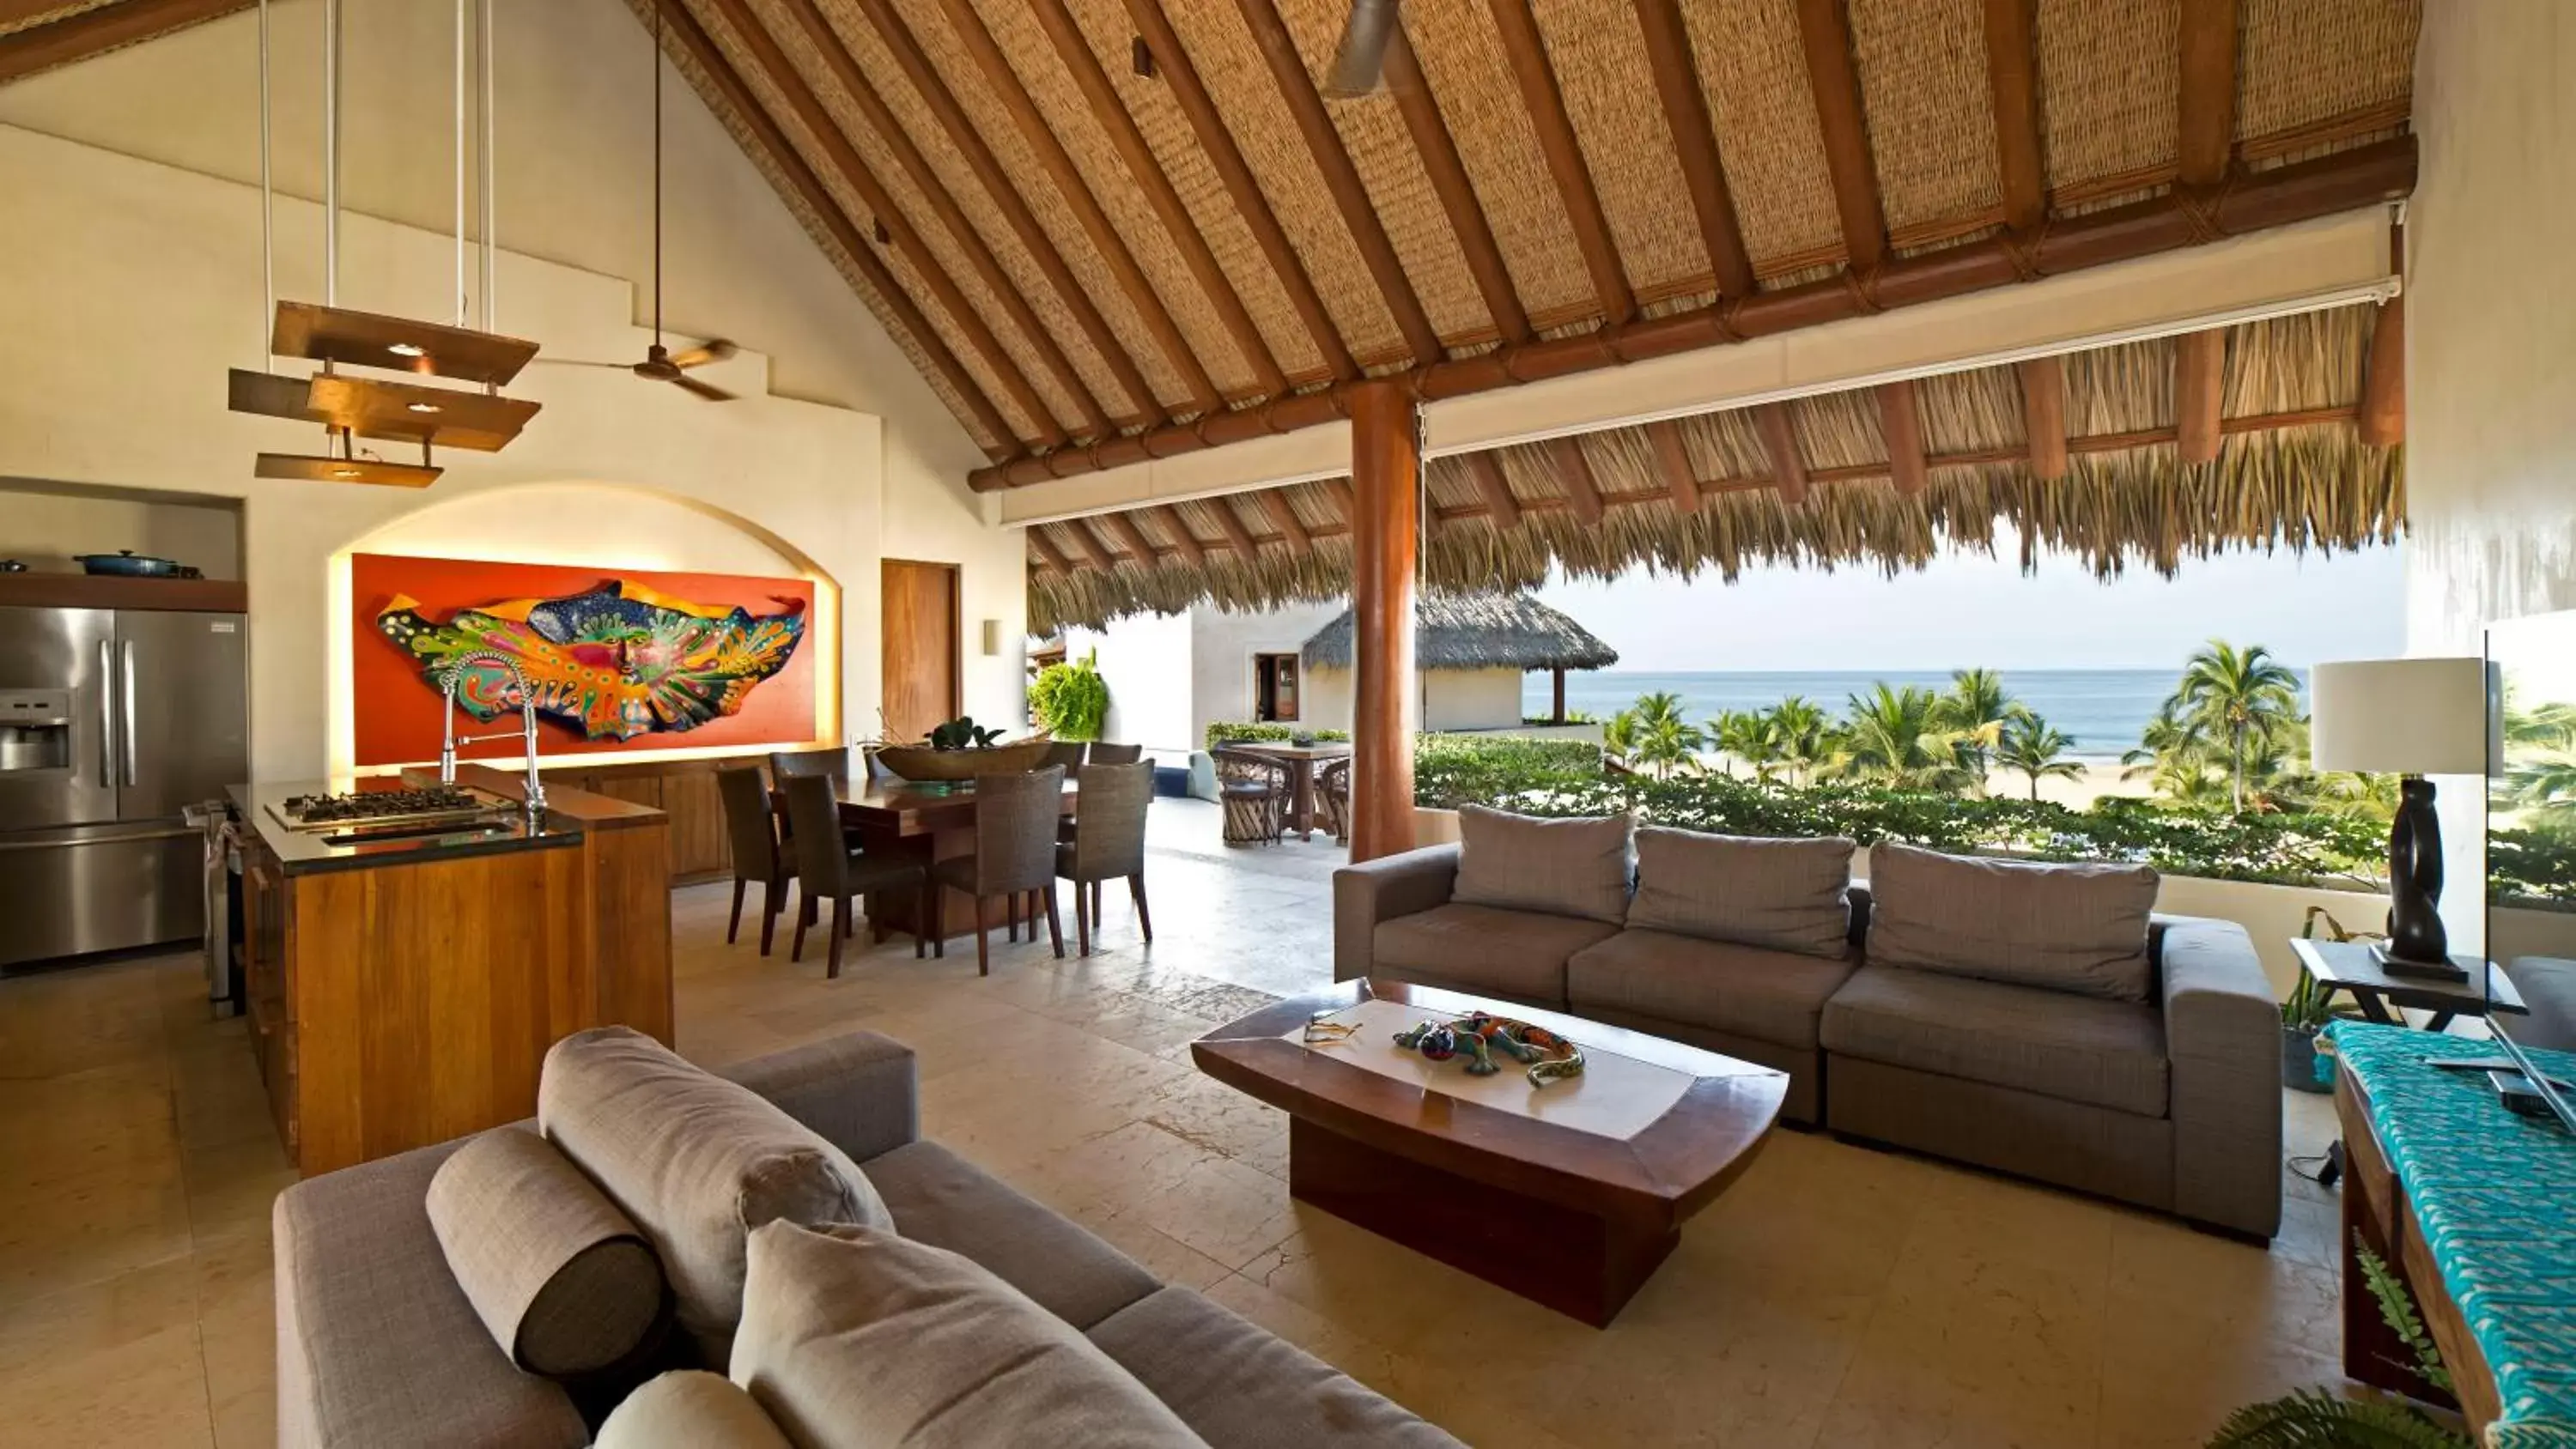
column 962, row 733
column 1071, row 701
column 959, row 751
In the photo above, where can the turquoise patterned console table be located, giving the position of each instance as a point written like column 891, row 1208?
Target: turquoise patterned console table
column 2476, row 1208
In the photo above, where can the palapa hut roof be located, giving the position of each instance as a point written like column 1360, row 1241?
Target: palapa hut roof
column 1477, row 631
column 2291, row 472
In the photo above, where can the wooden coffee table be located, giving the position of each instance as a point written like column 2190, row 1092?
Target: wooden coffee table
column 1569, row 1194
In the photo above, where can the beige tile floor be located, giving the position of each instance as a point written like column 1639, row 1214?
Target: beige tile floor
column 1836, row 1296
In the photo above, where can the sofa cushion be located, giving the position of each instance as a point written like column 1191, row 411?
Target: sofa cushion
column 1519, row 954
column 1573, row 867
column 557, row 1274
column 2075, row 1048
column 1774, row 996
column 1239, row 1387
column 696, row 1161
column 376, row 1345
column 2074, row 928
column 690, row 1409
column 857, row 1339
column 1785, row 894
column 939, row 1198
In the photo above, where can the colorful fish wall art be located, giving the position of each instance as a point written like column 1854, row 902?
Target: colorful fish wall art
column 616, row 662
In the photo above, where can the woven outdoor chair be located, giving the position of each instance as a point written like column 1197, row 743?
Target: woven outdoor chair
column 1108, row 842
column 1014, row 857
column 1255, row 791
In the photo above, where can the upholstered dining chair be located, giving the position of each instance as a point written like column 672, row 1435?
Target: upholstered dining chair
column 1254, row 790
column 1108, row 842
column 1104, row 753
column 831, row 870
column 786, row 765
column 1014, row 856
column 1333, row 787
column 751, row 828
column 1065, row 755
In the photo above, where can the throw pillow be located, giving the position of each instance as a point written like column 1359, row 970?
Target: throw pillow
column 1788, row 895
column 696, row 1161
column 689, row 1409
column 560, row 1277
column 856, row 1339
column 1572, row 867
column 2073, row 928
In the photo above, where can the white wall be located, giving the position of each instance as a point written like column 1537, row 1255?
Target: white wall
column 1145, row 662
column 1471, row 699
column 2491, row 350
column 1221, row 648
column 142, row 284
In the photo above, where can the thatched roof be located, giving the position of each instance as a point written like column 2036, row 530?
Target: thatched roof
column 2292, row 472
column 1477, row 631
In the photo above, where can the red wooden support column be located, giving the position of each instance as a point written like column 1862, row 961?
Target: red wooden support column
column 1386, row 471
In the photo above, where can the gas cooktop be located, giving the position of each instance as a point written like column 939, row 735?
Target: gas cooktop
column 429, row 805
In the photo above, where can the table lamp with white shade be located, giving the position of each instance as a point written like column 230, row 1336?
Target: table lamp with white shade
column 2409, row 717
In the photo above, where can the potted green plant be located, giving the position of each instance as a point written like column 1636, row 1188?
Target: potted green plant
column 2305, row 1014
column 1071, row 701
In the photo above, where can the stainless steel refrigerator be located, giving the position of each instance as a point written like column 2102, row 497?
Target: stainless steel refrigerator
column 112, row 722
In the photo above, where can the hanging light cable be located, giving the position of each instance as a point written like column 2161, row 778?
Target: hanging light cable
column 461, row 295
column 483, row 46
column 330, row 155
column 267, row 206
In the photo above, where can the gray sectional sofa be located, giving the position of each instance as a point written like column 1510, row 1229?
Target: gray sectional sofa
column 2038, row 1020
column 379, row 1346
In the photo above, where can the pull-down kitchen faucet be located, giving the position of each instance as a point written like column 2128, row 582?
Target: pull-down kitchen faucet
column 449, row 739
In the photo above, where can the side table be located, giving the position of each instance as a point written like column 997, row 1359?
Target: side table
column 2349, row 967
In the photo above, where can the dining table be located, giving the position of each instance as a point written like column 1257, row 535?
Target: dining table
column 1301, row 761
column 927, row 821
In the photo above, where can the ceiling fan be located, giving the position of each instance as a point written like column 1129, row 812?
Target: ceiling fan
column 660, row 363
column 1359, row 61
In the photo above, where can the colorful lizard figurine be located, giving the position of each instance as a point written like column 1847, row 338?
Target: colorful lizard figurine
column 1550, row 1057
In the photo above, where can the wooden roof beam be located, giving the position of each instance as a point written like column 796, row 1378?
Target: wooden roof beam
column 1177, row 529
column 2043, row 415
column 1230, row 523
column 1054, row 556
column 1074, row 51
column 1501, row 508
column 1824, row 33
column 1672, row 454
column 2200, row 383
column 1780, row 445
column 1527, row 51
column 1668, row 53
column 2012, row 81
column 2206, row 40
column 1004, row 83
column 1341, row 178
column 691, row 38
column 1172, row 63
column 1283, row 516
column 988, row 268
column 1102, row 555
column 853, row 171
column 94, row 32
column 2383, row 384
column 1574, row 475
column 1346, row 500
column 1124, row 526
column 1900, row 422
column 1438, row 152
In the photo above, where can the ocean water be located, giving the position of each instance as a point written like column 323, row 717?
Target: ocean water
column 2105, row 710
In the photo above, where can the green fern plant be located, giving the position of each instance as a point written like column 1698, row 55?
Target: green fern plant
column 1071, row 701
column 2397, row 1310
column 2322, row 1419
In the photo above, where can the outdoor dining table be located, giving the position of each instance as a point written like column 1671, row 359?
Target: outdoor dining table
column 928, row 822
column 1301, row 761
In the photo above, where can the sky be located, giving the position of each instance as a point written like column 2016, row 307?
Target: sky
column 1968, row 609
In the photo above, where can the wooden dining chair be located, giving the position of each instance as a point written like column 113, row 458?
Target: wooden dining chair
column 786, row 765
column 1014, row 856
column 1254, row 791
column 1108, row 842
column 830, row 870
column 751, row 828
column 1109, row 754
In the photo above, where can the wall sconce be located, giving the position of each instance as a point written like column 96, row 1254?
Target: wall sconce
column 992, row 637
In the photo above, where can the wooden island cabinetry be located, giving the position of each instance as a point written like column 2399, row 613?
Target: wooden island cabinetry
column 405, row 992
column 683, row 790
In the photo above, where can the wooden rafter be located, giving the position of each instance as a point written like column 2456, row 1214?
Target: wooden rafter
column 2200, row 383
column 1091, row 543
column 2043, row 415
column 2012, row 82
column 827, row 43
column 1527, row 52
column 1207, row 124
column 2383, row 384
column 1129, row 533
column 1346, row 499
column 2206, row 116
column 1668, row 53
column 1054, row 556
column 1283, row 516
column 1502, row 509
column 1438, row 152
column 691, row 38
column 853, row 171
column 1341, row 178
column 1177, row 529
column 1780, row 445
column 1574, row 475
column 1005, row 193
column 995, row 72
column 93, row 32
column 1824, row 34
column 1137, row 154
column 1900, row 423
column 1672, row 456
column 1230, row 523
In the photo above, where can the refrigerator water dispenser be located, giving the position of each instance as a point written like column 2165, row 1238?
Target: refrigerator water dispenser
column 35, row 729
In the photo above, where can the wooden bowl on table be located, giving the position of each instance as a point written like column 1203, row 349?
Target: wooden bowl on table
column 921, row 764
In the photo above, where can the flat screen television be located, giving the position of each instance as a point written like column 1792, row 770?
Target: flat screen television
column 2530, row 808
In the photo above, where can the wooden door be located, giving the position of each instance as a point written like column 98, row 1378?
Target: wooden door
column 920, row 654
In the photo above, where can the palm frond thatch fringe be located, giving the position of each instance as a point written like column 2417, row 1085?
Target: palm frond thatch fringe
column 1477, row 631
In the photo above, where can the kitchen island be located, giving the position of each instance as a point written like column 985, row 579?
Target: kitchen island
column 404, row 982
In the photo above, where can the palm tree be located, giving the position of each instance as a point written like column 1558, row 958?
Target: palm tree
column 1977, row 709
column 1894, row 739
column 1801, row 735
column 1664, row 741
column 2241, row 696
column 2030, row 745
column 1745, row 734
column 1619, row 736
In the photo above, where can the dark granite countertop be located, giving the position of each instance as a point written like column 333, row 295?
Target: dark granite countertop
column 301, row 852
